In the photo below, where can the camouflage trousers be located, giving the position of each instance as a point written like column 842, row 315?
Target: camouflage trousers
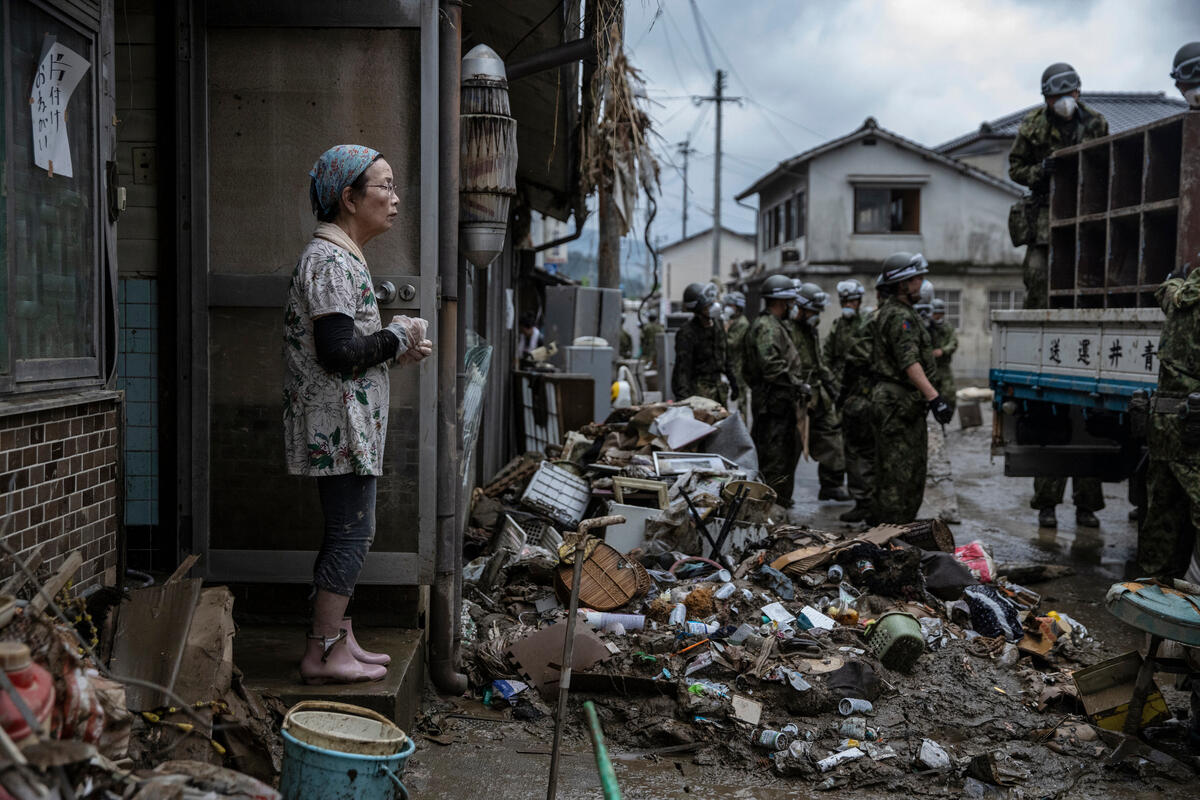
column 901, row 453
column 1166, row 535
column 1033, row 271
column 858, row 447
column 1086, row 493
column 777, row 442
column 825, row 447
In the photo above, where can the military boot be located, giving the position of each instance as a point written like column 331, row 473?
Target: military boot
column 857, row 514
column 838, row 493
column 1086, row 519
column 1046, row 518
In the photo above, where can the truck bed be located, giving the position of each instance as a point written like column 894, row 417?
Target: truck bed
column 1094, row 358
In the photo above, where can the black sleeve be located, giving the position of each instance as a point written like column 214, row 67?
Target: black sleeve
column 342, row 351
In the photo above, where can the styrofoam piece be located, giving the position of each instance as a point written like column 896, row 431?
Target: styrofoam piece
column 559, row 494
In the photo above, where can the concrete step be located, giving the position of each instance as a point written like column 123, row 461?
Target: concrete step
column 269, row 658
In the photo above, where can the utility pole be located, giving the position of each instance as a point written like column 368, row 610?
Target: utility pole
column 719, row 98
column 608, row 251
column 685, row 149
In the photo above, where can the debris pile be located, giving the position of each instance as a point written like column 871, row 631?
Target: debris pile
column 128, row 693
column 710, row 625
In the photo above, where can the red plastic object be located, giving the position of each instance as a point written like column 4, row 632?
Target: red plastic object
column 34, row 685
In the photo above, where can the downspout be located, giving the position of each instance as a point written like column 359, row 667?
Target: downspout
column 444, row 599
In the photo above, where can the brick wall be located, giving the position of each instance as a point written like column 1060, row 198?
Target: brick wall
column 65, row 459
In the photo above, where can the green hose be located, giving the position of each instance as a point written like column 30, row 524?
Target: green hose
column 608, row 777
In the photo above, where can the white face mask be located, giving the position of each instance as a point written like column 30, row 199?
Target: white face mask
column 1065, row 106
column 848, row 313
column 814, row 320
column 1192, row 96
column 729, row 312
column 793, row 312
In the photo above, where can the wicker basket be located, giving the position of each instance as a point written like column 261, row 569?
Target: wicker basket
column 609, row 580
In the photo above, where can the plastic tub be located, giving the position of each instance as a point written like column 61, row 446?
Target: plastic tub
column 336, row 750
column 895, row 639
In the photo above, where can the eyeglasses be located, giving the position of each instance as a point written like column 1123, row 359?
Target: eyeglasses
column 390, row 188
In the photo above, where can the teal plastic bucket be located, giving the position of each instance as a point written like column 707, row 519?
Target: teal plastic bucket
column 342, row 752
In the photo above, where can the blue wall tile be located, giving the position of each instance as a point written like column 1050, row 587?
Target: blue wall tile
column 137, row 374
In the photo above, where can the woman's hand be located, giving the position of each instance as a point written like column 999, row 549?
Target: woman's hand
column 415, row 329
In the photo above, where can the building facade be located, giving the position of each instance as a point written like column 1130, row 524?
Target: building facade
column 690, row 260
column 838, row 210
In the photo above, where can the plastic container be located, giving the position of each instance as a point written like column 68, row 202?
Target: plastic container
column 725, row 591
column 854, row 705
column 32, row 682
column 695, row 628
column 339, row 750
column 896, row 640
column 769, row 739
column 605, row 620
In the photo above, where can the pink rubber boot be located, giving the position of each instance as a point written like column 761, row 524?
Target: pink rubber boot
column 365, row 656
column 330, row 661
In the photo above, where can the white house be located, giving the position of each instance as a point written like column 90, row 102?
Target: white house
column 690, row 260
column 838, row 210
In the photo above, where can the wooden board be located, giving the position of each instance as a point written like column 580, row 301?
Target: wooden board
column 151, row 632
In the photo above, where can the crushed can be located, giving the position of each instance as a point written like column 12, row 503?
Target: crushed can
column 769, row 739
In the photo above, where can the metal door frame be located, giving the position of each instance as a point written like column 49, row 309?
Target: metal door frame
column 195, row 289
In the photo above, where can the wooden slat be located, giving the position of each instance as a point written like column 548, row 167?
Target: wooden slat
column 152, row 629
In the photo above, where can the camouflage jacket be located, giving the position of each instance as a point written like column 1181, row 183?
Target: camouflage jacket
column 813, row 370
column 901, row 340
column 1179, row 365
column 1041, row 133
column 701, row 359
column 837, row 346
column 735, row 336
column 771, row 363
column 945, row 339
column 650, row 332
column 858, row 372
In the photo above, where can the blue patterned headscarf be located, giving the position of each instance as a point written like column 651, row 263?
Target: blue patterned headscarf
column 337, row 168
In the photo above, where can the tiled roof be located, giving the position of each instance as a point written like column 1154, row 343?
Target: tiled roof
column 1123, row 110
column 871, row 128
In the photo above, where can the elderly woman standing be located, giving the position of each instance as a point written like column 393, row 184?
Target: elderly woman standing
column 336, row 354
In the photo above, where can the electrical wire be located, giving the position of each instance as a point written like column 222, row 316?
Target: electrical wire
column 703, row 41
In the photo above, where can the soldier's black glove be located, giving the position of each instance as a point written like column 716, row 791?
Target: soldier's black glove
column 733, row 390
column 942, row 411
column 804, row 393
column 1049, row 164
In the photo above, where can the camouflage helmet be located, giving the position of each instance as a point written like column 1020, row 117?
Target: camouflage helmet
column 698, row 295
column 1060, row 78
column 810, row 296
column 778, row 287
column 850, row 290
column 736, row 299
column 1186, row 67
column 900, row 267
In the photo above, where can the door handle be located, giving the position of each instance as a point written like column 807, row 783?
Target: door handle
column 385, row 292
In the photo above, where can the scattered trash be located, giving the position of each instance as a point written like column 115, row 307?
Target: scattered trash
column 932, row 755
column 855, row 705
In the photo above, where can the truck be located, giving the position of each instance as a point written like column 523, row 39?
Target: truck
column 1124, row 214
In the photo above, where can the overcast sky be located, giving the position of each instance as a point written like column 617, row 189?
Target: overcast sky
column 813, row 70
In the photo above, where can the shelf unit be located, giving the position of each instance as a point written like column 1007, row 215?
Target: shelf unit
column 1124, row 211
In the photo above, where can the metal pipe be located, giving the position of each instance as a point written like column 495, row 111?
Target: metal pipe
column 568, row 658
column 552, row 57
column 580, row 219
column 443, row 616
column 608, row 776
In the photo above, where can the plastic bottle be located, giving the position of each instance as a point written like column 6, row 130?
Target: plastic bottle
column 604, row 619
column 836, row 573
column 32, row 682
column 695, row 628
column 678, row 614
column 725, row 591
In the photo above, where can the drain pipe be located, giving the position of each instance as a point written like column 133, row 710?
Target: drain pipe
column 443, row 615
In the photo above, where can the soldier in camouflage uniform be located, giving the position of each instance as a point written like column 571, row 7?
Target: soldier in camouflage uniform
column 824, row 424
column 701, row 357
column 945, row 342
column 736, row 327
column 848, row 353
column 772, row 370
column 650, row 332
column 1061, row 122
column 902, row 393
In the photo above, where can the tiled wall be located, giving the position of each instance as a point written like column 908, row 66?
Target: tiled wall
column 63, row 462
column 137, row 374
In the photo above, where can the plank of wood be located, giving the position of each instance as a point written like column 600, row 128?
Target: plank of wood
column 184, row 568
column 14, row 583
column 151, row 632
column 57, row 581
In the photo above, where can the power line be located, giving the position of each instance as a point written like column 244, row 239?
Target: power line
column 703, row 41
column 671, row 19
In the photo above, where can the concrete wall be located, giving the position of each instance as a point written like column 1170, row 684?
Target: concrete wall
column 962, row 219
column 690, row 261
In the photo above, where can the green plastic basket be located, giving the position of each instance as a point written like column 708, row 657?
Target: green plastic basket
column 896, row 640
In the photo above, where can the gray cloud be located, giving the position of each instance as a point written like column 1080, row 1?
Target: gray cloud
column 926, row 69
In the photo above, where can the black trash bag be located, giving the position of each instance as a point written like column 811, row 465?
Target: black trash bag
column 854, row 679
column 945, row 575
column 993, row 614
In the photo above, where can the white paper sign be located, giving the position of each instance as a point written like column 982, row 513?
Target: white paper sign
column 58, row 73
